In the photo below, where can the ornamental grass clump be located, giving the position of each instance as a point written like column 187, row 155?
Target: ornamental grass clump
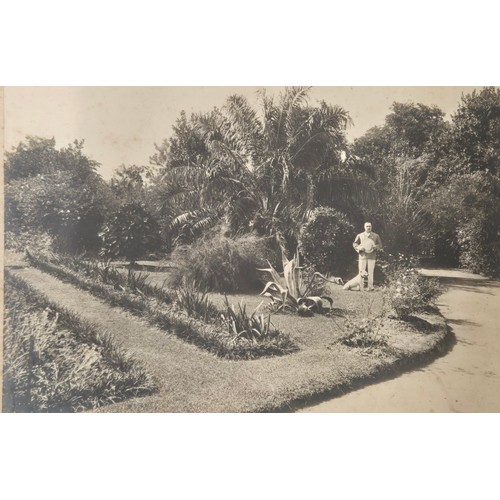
column 219, row 263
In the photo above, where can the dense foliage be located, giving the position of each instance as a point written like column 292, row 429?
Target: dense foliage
column 219, row 263
column 130, row 232
column 56, row 362
column 57, row 192
column 430, row 186
column 326, row 241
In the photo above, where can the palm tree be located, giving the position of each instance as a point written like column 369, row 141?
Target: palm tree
column 263, row 166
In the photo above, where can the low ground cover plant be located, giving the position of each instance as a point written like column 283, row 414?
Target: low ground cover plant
column 56, row 362
column 170, row 316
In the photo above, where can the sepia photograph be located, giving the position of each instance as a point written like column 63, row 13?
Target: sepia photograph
column 251, row 249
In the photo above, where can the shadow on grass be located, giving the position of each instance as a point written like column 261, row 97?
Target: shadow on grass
column 337, row 311
column 462, row 322
column 422, row 325
column 382, row 374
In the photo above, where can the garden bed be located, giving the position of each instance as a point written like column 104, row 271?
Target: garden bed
column 322, row 366
column 54, row 361
column 159, row 306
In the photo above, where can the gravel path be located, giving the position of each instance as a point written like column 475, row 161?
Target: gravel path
column 465, row 380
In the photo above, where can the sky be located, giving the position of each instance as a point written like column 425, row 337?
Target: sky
column 120, row 125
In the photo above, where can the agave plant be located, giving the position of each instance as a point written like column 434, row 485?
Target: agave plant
column 290, row 291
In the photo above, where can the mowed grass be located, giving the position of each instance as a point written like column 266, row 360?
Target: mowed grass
column 322, row 367
column 193, row 380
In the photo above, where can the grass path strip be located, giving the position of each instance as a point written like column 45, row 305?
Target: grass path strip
column 171, row 319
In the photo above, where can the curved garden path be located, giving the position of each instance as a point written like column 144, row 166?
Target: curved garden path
column 467, row 379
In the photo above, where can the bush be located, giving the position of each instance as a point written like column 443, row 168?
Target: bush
column 389, row 266
column 326, row 241
column 408, row 292
column 130, row 232
column 69, row 209
column 219, row 263
column 479, row 250
column 34, row 241
column 367, row 333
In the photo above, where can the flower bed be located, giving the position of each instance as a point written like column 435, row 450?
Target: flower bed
column 159, row 308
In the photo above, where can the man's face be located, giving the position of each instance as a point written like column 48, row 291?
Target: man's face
column 368, row 228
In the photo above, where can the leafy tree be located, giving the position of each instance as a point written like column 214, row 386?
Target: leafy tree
column 34, row 156
column 400, row 158
column 257, row 170
column 184, row 148
column 128, row 183
column 464, row 200
column 63, row 196
column 130, row 232
column 476, row 132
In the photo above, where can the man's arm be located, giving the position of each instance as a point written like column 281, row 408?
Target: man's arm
column 378, row 243
column 357, row 243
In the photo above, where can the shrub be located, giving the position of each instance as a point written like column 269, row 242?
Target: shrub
column 389, row 266
column 34, row 241
column 219, row 263
column 130, row 232
column 326, row 240
column 408, row 292
column 366, row 333
column 479, row 249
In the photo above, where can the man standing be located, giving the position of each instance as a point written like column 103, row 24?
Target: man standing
column 367, row 244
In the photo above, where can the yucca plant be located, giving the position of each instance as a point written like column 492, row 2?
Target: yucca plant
column 290, row 291
column 254, row 327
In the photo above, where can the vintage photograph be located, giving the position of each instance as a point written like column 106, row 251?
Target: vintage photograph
column 251, row 249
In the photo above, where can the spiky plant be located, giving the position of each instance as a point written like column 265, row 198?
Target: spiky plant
column 254, row 327
column 290, row 292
